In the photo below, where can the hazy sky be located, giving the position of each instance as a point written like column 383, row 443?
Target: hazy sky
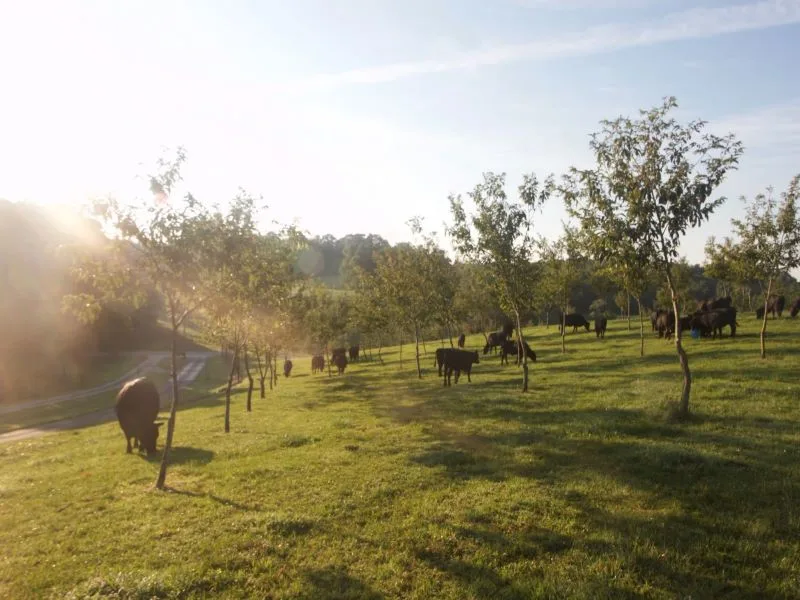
column 352, row 116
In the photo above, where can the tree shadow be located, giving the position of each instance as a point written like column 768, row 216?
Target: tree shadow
column 182, row 455
column 334, row 582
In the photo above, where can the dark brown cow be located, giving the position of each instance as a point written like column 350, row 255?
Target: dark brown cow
column 137, row 408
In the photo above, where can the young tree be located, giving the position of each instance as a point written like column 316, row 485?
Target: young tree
column 769, row 242
column 563, row 267
column 499, row 237
column 172, row 247
column 405, row 280
column 654, row 178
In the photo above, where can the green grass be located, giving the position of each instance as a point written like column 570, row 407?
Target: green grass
column 376, row 484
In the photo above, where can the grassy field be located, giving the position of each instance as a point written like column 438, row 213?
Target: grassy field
column 380, row 485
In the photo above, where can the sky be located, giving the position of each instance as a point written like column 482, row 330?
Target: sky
column 354, row 116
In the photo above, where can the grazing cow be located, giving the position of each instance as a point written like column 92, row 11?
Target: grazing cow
column 287, row 367
column 354, row 352
column 340, row 360
column 458, row 360
column 317, row 363
column 795, row 308
column 665, row 324
column 573, row 320
column 512, row 347
column 461, row 339
column 654, row 319
column 336, row 351
column 494, row 340
column 775, row 306
column 137, row 408
column 711, row 322
column 600, row 325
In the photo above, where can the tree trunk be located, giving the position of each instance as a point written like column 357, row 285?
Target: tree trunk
column 629, row 310
column 275, row 368
column 328, row 359
column 162, row 471
column 563, row 330
column 401, row 353
column 268, row 356
column 228, row 391
column 249, row 381
column 416, row 343
column 641, row 325
column 262, row 384
column 524, row 354
column 683, row 408
column 764, row 322
column 424, row 349
column 450, row 335
column 380, row 347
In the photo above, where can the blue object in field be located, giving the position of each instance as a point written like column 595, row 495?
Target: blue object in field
column 695, row 333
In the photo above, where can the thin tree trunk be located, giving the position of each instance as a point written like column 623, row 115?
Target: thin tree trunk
column 424, row 349
column 563, row 330
column 249, row 381
column 629, row 310
column 683, row 408
column 764, row 323
column 524, row 354
column 380, row 347
column 401, row 353
column 450, row 335
column 275, row 368
column 162, row 471
column 228, row 391
column 641, row 324
column 328, row 358
column 416, row 342
column 261, row 370
column 268, row 356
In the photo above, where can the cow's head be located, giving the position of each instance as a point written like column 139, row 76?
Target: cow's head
column 475, row 358
column 149, row 437
column 586, row 325
column 485, row 349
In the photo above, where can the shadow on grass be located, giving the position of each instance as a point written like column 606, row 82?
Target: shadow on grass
column 335, row 582
column 183, row 454
column 218, row 499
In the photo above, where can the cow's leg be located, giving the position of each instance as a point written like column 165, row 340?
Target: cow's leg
column 129, row 450
column 468, row 378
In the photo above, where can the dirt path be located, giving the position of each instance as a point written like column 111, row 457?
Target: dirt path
column 149, row 363
column 188, row 374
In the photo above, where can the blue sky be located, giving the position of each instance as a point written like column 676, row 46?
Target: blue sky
column 354, row 116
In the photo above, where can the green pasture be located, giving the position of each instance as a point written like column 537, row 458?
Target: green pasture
column 377, row 484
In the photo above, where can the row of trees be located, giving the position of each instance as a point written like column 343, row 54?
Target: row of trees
column 652, row 180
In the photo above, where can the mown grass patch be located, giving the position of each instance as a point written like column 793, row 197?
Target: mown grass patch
column 379, row 485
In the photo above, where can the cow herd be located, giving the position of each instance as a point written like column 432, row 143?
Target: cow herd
column 138, row 401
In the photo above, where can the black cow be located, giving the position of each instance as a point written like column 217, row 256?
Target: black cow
column 438, row 358
column 573, row 320
column 775, row 306
column 654, row 319
column 795, row 308
column 711, row 322
column 666, row 324
column 494, row 340
column 337, row 351
column 461, row 339
column 340, row 360
column 317, row 363
column 512, row 347
column 600, row 325
column 724, row 302
column 354, row 351
column 137, row 408
column 458, row 360
column 287, row 367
